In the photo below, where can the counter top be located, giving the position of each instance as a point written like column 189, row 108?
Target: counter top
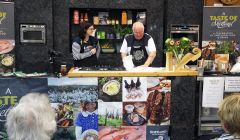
column 148, row 72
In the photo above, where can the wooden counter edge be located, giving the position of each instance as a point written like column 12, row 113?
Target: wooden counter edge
column 130, row 73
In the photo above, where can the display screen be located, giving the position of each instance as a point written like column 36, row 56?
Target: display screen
column 32, row 35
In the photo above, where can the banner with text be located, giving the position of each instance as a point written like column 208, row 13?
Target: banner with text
column 221, row 23
column 11, row 91
column 7, row 37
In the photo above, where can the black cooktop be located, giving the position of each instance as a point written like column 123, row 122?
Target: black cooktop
column 101, row 68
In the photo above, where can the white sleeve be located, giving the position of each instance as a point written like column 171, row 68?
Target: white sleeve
column 151, row 45
column 124, row 48
column 78, row 132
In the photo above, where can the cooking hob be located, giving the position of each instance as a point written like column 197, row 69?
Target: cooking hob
column 101, row 68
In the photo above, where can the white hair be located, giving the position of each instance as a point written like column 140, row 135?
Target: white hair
column 32, row 119
column 138, row 25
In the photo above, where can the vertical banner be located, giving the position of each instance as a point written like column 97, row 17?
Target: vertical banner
column 221, row 36
column 7, row 40
column 221, row 23
column 11, row 91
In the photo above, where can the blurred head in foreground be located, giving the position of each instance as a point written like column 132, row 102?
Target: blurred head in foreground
column 31, row 119
column 229, row 113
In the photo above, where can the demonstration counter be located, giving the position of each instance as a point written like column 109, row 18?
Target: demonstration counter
column 151, row 71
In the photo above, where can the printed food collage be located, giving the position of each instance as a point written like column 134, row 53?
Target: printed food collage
column 111, row 108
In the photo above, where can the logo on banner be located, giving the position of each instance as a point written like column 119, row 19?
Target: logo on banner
column 6, row 103
column 223, row 21
column 3, row 16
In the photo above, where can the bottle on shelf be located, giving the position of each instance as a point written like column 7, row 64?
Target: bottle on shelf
column 117, row 22
column 95, row 20
column 81, row 18
column 86, row 17
column 129, row 17
column 75, row 17
column 124, row 18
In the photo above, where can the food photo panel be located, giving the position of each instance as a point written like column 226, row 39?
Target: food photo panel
column 158, row 101
column 134, row 89
column 110, row 114
column 134, row 113
column 110, row 89
column 75, row 103
column 122, row 133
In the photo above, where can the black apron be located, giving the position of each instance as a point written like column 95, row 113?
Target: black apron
column 88, row 61
column 139, row 54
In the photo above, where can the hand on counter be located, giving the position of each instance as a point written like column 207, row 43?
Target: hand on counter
column 142, row 67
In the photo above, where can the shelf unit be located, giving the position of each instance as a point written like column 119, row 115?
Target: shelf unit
column 105, row 29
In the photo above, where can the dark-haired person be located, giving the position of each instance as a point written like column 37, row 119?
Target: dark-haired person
column 86, row 119
column 85, row 47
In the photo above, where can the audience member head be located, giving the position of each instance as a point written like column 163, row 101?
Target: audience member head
column 138, row 30
column 31, row 119
column 229, row 113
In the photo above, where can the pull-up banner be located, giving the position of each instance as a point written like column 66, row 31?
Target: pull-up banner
column 11, row 91
column 221, row 23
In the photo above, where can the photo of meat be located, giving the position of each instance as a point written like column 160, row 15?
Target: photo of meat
column 110, row 113
column 110, row 89
column 134, row 113
column 158, row 101
column 6, row 45
column 134, row 89
column 208, row 49
column 122, row 133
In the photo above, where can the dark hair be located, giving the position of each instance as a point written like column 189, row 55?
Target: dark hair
column 83, row 29
column 85, row 104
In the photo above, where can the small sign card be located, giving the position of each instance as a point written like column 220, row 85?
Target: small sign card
column 213, row 88
column 232, row 84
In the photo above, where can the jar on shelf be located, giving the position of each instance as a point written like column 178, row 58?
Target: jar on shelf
column 63, row 70
column 124, row 17
column 95, row 20
column 113, row 22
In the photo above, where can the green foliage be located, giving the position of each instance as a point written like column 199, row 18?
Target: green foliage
column 118, row 29
column 225, row 47
column 110, row 121
column 178, row 47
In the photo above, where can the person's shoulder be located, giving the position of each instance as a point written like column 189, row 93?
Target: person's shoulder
column 77, row 39
column 225, row 137
column 147, row 36
column 92, row 38
column 129, row 37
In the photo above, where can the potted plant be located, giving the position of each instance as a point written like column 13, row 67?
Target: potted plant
column 180, row 50
column 225, row 54
column 120, row 31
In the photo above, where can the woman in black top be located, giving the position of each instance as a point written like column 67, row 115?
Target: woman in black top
column 85, row 47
